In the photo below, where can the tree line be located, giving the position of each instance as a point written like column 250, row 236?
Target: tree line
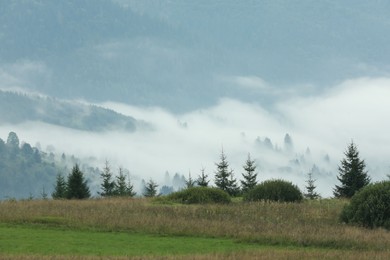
column 352, row 177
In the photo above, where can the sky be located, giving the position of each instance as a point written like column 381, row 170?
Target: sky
column 207, row 76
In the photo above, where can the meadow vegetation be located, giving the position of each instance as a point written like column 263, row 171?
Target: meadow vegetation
column 268, row 229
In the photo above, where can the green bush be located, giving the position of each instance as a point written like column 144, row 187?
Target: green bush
column 369, row 207
column 200, row 195
column 274, row 190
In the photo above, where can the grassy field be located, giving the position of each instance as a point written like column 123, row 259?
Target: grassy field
column 121, row 228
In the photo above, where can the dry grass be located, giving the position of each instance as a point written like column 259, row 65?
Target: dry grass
column 265, row 254
column 309, row 224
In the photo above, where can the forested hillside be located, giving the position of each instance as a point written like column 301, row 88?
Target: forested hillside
column 27, row 172
column 19, row 108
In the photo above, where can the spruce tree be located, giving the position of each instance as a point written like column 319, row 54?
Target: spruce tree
column 60, row 188
column 121, row 187
column 150, row 189
column 249, row 181
column 222, row 174
column 77, row 187
column 202, row 179
column 190, row 182
column 352, row 174
column 223, row 178
column 108, row 185
column 310, row 188
column 233, row 188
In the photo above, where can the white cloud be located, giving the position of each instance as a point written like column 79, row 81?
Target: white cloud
column 356, row 109
column 253, row 82
column 247, row 82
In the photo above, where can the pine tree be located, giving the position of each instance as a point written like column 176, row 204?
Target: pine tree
column 77, row 187
column 310, row 188
column 108, row 185
column 202, row 179
column 224, row 177
column 249, row 176
column 150, row 189
column 60, row 188
column 121, row 187
column 352, row 174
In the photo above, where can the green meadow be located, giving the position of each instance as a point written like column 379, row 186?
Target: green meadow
column 150, row 228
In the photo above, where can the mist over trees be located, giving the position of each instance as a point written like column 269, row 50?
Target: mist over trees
column 29, row 172
column 62, row 113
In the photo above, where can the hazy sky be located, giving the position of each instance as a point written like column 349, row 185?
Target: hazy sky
column 207, row 75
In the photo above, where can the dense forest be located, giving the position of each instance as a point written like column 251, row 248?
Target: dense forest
column 62, row 113
column 29, row 172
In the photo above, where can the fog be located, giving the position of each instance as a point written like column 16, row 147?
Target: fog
column 184, row 143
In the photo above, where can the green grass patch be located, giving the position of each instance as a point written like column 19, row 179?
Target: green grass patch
column 33, row 240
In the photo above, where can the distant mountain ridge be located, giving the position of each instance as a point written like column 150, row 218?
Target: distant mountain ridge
column 18, row 108
column 183, row 55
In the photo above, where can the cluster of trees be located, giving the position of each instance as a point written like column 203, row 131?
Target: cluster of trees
column 75, row 187
column 115, row 187
column 352, row 176
column 24, row 169
column 63, row 113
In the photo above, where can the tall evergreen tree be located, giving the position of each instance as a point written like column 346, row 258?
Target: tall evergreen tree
column 150, row 189
column 223, row 178
column 222, row 174
column 108, row 185
column 352, row 174
column 310, row 188
column 121, row 187
column 60, row 188
column 249, row 181
column 77, row 187
column 202, row 179
column 288, row 143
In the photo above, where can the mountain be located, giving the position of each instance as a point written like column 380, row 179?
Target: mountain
column 183, row 55
column 18, row 108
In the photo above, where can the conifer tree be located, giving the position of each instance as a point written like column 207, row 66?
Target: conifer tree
column 352, row 174
column 222, row 174
column 233, row 188
column 249, row 181
column 150, row 189
column 224, row 177
column 121, row 187
column 202, row 179
column 108, row 185
column 310, row 188
column 77, row 187
column 60, row 188
column 190, row 182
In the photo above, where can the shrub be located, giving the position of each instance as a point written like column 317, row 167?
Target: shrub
column 200, row 195
column 369, row 207
column 274, row 190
